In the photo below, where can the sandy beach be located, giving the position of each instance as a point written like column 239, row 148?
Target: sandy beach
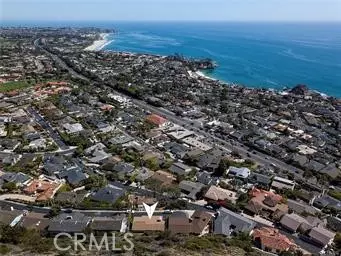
column 201, row 74
column 99, row 44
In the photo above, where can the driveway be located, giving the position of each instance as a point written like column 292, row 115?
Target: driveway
column 17, row 197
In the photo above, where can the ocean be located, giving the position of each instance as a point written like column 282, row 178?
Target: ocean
column 266, row 55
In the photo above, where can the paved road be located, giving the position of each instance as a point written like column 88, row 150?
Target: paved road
column 45, row 210
column 17, row 197
column 106, row 213
column 54, row 135
column 39, row 43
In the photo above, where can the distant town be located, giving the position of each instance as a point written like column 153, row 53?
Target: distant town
column 87, row 136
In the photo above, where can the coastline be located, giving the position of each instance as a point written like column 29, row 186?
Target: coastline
column 200, row 74
column 203, row 75
column 99, row 44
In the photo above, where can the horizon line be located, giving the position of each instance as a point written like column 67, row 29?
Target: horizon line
column 232, row 21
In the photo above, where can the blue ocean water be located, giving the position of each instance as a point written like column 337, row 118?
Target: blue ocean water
column 267, row 55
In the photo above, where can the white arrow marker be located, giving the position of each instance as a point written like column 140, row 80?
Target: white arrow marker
column 150, row 209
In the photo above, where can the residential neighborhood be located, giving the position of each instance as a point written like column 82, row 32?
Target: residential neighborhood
column 83, row 146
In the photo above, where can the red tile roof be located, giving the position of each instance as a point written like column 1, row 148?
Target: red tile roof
column 156, row 119
column 272, row 239
column 58, row 83
column 263, row 193
column 43, row 189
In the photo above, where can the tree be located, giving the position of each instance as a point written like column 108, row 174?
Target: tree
column 152, row 164
column 11, row 235
column 243, row 198
column 337, row 241
column 54, row 211
column 9, row 186
column 241, row 240
column 94, row 181
column 249, row 162
column 224, row 93
column 192, row 173
column 223, row 166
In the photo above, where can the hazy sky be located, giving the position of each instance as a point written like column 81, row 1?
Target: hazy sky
column 237, row 10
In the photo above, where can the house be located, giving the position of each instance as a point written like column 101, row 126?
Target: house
column 143, row 174
column 109, row 224
column 206, row 178
column 331, row 170
column 54, row 164
column 11, row 159
column 307, row 196
column 190, row 189
column 43, row 189
column 144, row 223
column 38, row 144
column 321, row 236
column 266, row 203
column 300, row 207
column 123, row 168
column 176, row 149
column 228, row 223
column 326, row 201
column 180, row 133
column 180, row 169
column 7, row 217
column 74, row 176
column 157, row 120
column 110, row 163
column 240, row 173
column 260, row 180
column 190, row 222
column 98, row 157
column 292, row 222
column 137, row 201
column 314, row 166
column 120, row 139
column 9, row 145
column 73, row 128
column 194, row 155
column 33, row 220
column 96, row 153
column 219, row 194
column 282, row 183
column 70, row 197
column 310, row 222
column 201, row 221
column 180, row 222
column 75, row 222
column 271, row 240
column 195, row 143
column 165, row 178
column 18, row 178
column 155, row 136
column 299, row 159
column 210, row 160
column 108, row 194
column 334, row 223
column 32, row 136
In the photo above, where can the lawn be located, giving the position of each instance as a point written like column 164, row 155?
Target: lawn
column 11, row 86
